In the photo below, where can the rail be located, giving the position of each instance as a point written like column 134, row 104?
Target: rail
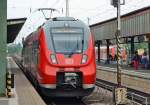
column 134, row 95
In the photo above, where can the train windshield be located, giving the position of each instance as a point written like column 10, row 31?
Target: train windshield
column 67, row 40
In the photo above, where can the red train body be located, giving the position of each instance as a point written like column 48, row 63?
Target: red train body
column 60, row 58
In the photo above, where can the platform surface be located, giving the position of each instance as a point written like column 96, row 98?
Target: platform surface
column 23, row 92
column 136, row 73
column 125, row 67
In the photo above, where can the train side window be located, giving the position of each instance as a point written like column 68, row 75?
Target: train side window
column 35, row 51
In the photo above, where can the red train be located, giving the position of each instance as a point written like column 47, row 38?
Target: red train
column 60, row 58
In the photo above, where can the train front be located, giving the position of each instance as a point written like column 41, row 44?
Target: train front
column 67, row 65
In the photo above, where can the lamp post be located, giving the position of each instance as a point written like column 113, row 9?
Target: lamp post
column 120, row 92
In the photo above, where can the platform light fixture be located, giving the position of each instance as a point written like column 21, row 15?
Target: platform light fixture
column 120, row 92
column 115, row 2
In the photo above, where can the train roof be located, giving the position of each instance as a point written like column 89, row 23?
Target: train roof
column 63, row 19
column 70, row 21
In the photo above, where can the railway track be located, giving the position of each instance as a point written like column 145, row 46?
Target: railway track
column 64, row 101
column 135, row 96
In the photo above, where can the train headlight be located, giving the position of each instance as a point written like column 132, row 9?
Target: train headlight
column 84, row 59
column 53, row 58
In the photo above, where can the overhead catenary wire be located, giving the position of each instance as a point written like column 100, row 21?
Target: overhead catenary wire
column 132, row 3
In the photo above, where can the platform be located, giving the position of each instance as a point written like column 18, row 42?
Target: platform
column 133, row 79
column 125, row 67
column 24, row 93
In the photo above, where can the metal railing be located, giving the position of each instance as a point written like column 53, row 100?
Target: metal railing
column 134, row 97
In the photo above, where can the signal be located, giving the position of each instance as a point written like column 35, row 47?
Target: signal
column 114, row 3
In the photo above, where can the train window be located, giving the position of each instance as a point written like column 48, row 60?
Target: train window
column 67, row 40
column 35, row 51
column 36, row 44
column 68, row 43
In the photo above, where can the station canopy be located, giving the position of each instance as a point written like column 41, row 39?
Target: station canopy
column 13, row 28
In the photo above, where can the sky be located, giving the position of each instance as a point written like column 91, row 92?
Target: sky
column 95, row 10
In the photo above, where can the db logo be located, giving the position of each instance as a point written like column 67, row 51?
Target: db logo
column 69, row 61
